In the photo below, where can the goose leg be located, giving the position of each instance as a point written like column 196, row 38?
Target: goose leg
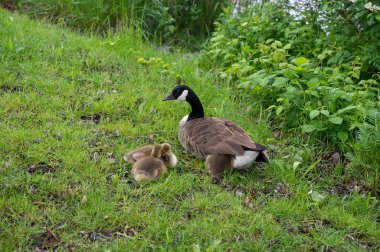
column 215, row 164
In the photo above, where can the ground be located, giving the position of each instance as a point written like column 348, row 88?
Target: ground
column 71, row 105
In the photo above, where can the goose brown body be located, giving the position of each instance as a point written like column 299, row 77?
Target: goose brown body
column 215, row 136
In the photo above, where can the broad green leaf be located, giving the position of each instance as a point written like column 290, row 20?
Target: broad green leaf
column 217, row 38
column 316, row 196
column 171, row 28
column 246, row 69
column 223, row 75
column 276, row 44
column 348, row 80
column 296, row 164
column 280, row 81
column 300, row 61
column 325, row 112
column 263, row 82
column 288, row 46
column 244, row 84
column 278, row 56
column 340, row 111
column 336, row 120
column 314, row 113
column 313, row 83
column 321, row 56
column 343, row 136
column 213, row 245
column 308, row 128
column 279, row 110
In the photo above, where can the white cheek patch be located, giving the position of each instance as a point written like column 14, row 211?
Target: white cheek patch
column 183, row 96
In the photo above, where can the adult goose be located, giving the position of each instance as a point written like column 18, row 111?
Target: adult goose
column 222, row 143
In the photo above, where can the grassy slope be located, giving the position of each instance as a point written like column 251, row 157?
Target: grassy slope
column 50, row 78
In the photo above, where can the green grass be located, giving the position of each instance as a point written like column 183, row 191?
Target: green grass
column 75, row 104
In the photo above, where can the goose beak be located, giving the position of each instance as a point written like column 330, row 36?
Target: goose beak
column 169, row 97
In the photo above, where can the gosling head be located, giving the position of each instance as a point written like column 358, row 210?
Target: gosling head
column 180, row 92
column 156, row 151
column 167, row 155
column 165, row 151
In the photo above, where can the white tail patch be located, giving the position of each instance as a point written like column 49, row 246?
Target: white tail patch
column 241, row 162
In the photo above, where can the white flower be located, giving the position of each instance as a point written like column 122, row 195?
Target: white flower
column 370, row 6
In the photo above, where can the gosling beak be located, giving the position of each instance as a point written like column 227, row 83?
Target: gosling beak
column 169, row 97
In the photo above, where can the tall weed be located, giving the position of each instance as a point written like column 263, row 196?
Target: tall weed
column 166, row 20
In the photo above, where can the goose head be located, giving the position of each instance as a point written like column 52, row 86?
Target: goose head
column 180, row 92
column 185, row 93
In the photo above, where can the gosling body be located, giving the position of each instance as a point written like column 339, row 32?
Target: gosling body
column 149, row 167
column 167, row 156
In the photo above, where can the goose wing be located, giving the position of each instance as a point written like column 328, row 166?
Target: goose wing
column 205, row 136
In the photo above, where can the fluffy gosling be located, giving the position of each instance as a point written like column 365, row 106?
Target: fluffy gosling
column 167, row 156
column 149, row 167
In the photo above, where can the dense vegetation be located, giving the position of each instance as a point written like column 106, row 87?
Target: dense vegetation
column 72, row 105
column 315, row 69
column 165, row 21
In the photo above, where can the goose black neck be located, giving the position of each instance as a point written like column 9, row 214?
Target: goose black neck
column 196, row 106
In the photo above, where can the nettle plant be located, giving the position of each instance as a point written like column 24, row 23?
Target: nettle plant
column 290, row 65
column 314, row 99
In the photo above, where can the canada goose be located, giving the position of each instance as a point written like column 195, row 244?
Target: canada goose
column 167, row 156
column 221, row 142
column 149, row 167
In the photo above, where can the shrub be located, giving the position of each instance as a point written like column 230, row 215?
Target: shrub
column 316, row 72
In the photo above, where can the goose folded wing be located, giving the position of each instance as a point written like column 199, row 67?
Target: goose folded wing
column 218, row 136
column 244, row 139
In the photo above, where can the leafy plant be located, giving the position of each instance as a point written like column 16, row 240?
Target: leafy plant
column 312, row 76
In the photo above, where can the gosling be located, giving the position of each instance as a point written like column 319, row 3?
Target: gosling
column 167, row 156
column 149, row 167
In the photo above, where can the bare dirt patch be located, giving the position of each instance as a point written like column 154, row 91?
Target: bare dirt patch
column 40, row 167
column 95, row 118
column 11, row 88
